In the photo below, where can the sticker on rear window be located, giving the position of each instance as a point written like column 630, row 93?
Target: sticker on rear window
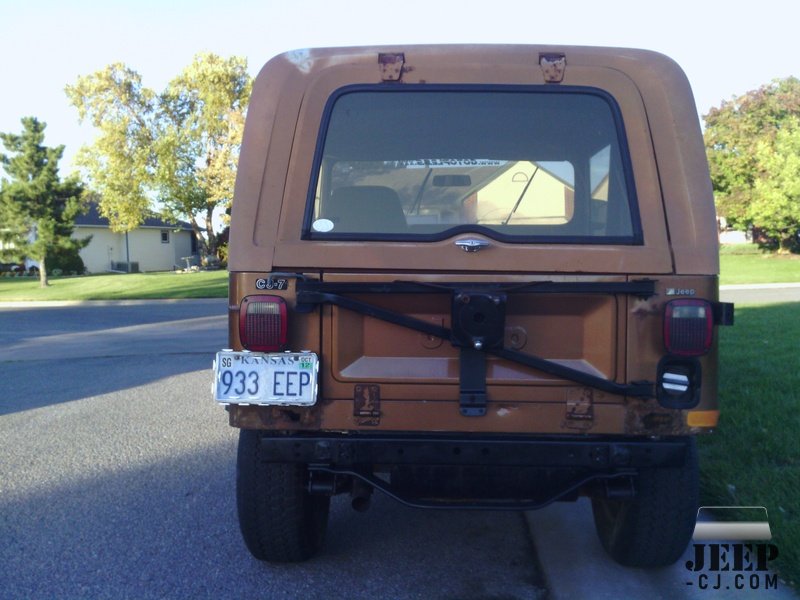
column 322, row 225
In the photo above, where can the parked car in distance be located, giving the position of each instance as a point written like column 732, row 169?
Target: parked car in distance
column 14, row 268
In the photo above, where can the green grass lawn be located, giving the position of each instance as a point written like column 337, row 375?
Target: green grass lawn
column 738, row 264
column 748, row 265
column 200, row 284
column 753, row 459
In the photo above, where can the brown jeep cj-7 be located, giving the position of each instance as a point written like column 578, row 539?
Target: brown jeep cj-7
column 481, row 277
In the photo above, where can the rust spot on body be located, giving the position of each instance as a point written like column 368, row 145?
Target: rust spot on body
column 644, row 308
column 276, row 417
column 647, row 417
column 367, row 404
column 580, row 410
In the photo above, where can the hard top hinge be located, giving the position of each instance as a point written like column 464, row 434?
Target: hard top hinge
column 553, row 66
column 391, row 65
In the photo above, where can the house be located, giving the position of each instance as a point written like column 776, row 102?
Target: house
column 153, row 246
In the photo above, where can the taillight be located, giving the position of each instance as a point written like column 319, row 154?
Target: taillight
column 688, row 327
column 262, row 323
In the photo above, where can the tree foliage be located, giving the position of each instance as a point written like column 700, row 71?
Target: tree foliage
column 119, row 162
column 179, row 147
column 753, row 148
column 37, row 209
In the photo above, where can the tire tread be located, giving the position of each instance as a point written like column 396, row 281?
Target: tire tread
column 655, row 527
column 279, row 519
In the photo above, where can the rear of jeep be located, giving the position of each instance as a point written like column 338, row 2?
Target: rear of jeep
column 475, row 277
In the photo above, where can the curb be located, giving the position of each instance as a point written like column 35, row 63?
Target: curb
column 759, row 286
column 575, row 566
column 58, row 303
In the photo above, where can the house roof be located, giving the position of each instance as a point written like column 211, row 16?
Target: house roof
column 92, row 218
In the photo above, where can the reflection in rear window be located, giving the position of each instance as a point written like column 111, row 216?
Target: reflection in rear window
column 516, row 164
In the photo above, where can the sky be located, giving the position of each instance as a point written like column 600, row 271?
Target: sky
column 726, row 47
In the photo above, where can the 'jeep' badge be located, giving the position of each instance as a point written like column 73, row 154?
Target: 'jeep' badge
column 681, row 292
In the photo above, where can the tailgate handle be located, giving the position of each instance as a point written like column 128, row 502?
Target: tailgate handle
column 472, row 244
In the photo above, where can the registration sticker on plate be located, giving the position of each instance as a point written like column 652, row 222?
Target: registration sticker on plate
column 282, row 379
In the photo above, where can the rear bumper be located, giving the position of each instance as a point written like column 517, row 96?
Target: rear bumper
column 550, row 452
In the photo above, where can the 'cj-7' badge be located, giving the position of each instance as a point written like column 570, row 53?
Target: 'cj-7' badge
column 271, row 284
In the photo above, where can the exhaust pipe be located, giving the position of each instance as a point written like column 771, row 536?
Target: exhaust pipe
column 362, row 496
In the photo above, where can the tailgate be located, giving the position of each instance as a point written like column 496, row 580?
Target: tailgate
column 505, row 339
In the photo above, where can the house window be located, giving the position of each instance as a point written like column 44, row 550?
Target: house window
column 165, row 236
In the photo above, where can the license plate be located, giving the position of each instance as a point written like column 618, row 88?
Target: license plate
column 283, row 379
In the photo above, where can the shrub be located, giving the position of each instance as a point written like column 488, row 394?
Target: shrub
column 64, row 261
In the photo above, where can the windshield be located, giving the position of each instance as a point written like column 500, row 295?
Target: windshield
column 521, row 165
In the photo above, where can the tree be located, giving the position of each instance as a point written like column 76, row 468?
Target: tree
column 752, row 143
column 119, row 163
column 179, row 147
column 37, row 209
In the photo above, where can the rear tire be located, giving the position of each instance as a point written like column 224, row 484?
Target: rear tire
column 653, row 528
column 279, row 519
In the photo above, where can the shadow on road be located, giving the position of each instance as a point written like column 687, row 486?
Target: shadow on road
column 35, row 384
column 19, row 323
column 52, row 355
column 169, row 530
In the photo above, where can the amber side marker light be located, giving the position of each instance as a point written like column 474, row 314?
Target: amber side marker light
column 262, row 323
column 702, row 418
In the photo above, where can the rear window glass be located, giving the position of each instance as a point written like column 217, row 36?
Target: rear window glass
column 521, row 164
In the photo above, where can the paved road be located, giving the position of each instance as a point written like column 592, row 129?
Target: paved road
column 117, row 474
